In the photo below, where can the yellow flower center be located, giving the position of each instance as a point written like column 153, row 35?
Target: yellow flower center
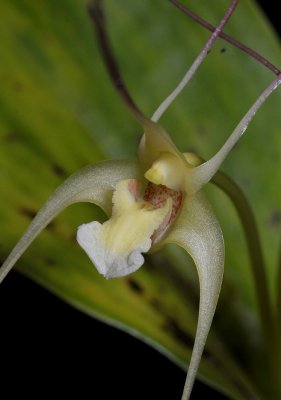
column 167, row 170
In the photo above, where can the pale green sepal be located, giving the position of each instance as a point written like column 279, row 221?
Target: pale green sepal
column 198, row 232
column 93, row 184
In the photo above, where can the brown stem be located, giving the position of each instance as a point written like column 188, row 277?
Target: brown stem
column 97, row 15
column 226, row 37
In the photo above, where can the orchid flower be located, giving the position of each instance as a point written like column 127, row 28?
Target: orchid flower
column 151, row 201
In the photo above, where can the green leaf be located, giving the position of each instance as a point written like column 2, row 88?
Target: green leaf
column 59, row 112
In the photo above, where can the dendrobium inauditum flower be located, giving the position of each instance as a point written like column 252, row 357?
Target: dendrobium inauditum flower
column 151, row 201
column 145, row 206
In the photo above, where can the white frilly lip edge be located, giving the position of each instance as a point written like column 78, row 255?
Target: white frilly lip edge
column 109, row 264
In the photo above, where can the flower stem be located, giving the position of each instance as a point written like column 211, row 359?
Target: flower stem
column 278, row 303
column 258, row 269
column 278, row 308
column 250, row 228
column 227, row 37
column 96, row 13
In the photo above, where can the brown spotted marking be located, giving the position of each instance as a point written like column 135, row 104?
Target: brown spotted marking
column 157, row 195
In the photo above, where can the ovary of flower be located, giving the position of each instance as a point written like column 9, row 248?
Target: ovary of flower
column 116, row 246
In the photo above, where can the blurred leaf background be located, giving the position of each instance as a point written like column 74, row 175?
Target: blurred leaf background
column 59, row 112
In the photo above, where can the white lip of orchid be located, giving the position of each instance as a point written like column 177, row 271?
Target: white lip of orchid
column 116, row 246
